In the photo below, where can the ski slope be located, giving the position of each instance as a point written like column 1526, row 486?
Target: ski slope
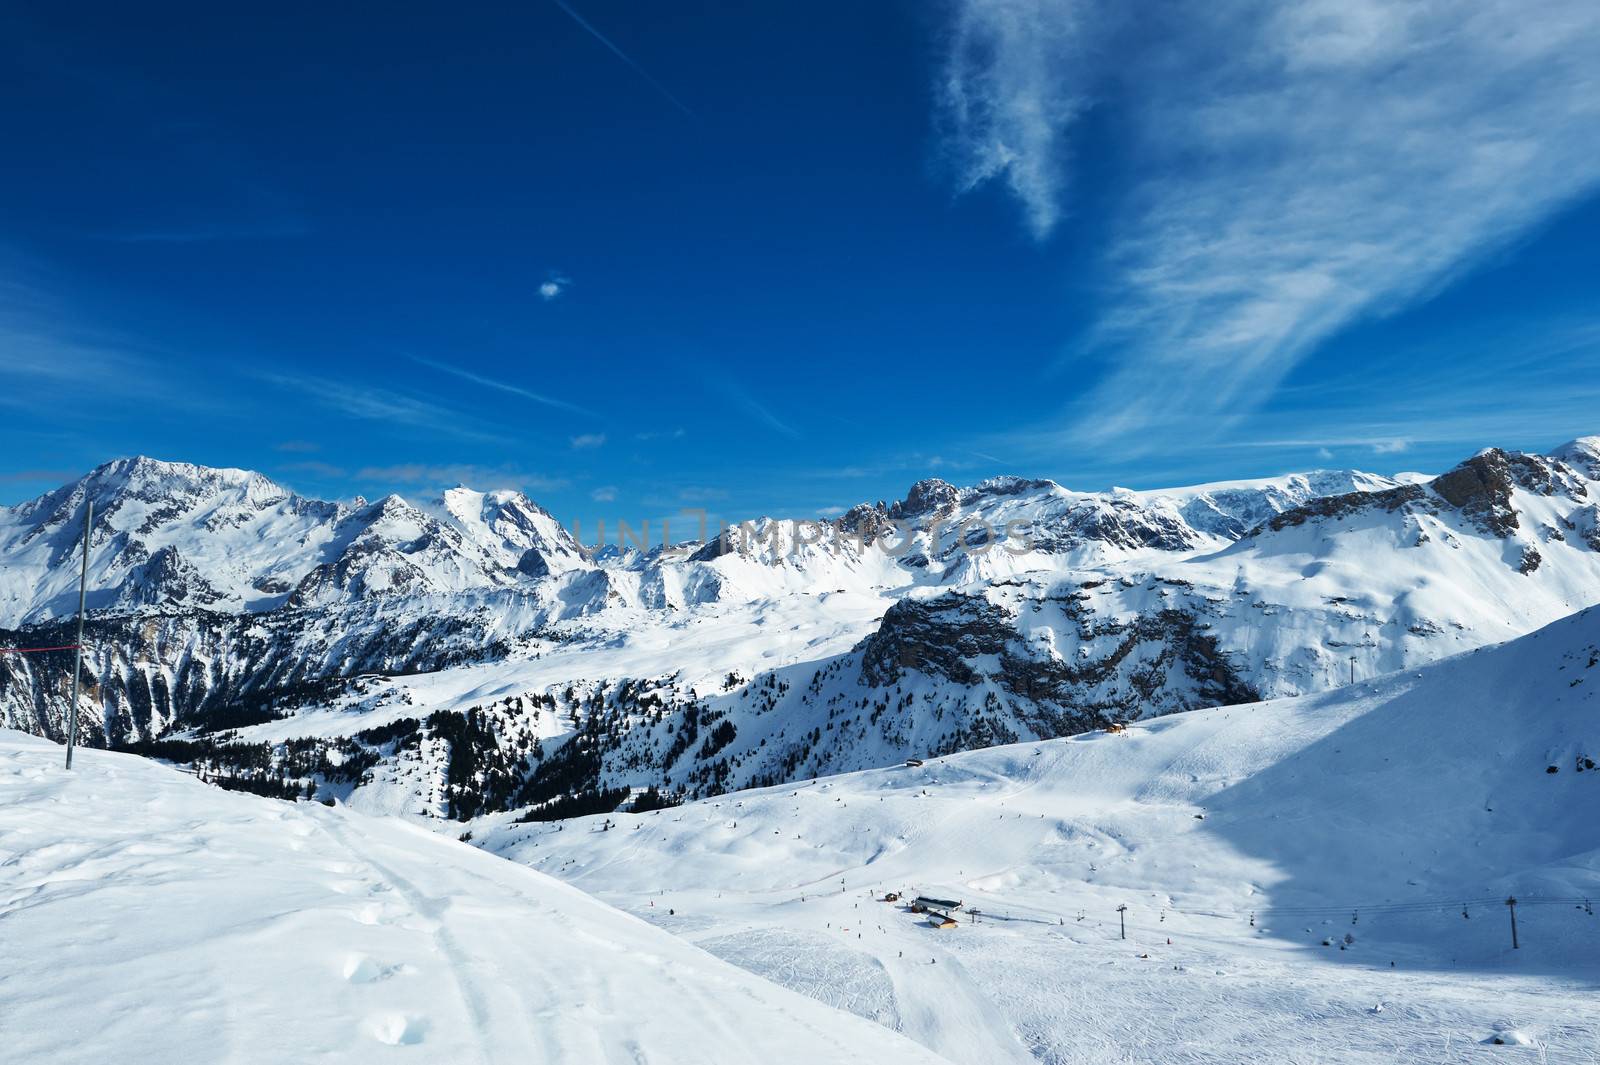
column 1400, row 812
column 147, row 917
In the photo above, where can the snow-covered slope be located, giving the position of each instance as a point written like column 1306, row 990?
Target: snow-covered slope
column 1248, row 842
column 148, row 918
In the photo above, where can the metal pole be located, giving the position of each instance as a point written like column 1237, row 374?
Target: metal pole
column 1352, row 669
column 77, row 654
column 1122, row 917
column 1511, row 904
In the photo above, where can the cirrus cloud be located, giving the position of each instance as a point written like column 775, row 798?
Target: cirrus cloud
column 1294, row 168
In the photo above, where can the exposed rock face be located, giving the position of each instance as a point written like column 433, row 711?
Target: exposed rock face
column 926, row 497
column 1120, row 522
column 158, row 671
column 938, row 637
column 166, row 579
column 1343, row 506
column 869, row 521
column 1585, row 521
column 1153, row 664
column 1481, row 487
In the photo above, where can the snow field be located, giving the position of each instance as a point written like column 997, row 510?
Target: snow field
column 147, row 917
column 1372, row 811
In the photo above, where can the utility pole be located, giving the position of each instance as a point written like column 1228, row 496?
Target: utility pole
column 77, row 651
column 1122, row 912
column 1352, row 669
column 1511, row 904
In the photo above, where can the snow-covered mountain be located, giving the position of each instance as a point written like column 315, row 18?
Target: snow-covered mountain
column 149, row 918
column 1321, row 878
column 173, row 535
column 470, row 653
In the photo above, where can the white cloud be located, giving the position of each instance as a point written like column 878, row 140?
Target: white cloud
column 1390, row 447
column 587, row 441
column 604, row 494
column 1292, row 169
column 553, row 286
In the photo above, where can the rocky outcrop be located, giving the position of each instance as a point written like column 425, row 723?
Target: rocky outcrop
column 1153, row 664
column 1332, row 508
column 146, row 674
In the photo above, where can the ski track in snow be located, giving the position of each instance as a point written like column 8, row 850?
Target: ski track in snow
column 146, row 917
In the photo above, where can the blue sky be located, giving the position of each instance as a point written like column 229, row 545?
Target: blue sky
column 781, row 258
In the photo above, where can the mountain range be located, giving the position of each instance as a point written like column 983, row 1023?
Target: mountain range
column 467, row 654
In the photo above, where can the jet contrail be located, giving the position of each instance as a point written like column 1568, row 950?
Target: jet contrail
column 620, row 54
column 489, row 382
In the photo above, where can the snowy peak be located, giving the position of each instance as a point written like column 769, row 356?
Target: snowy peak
column 928, row 496
column 1582, row 454
column 170, row 535
column 1483, row 489
column 164, row 534
column 514, row 531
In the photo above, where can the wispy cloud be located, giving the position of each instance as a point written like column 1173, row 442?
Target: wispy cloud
column 379, row 405
column 587, row 441
column 47, row 355
column 1357, row 420
column 316, row 468
column 447, row 474
column 208, row 233
column 1013, row 84
column 620, row 54
column 1296, row 168
column 502, row 386
column 753, row 407
column 46, row 476
column 604, row 494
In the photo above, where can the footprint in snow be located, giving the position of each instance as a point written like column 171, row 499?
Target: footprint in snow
column 372, row 913
column 360, row 969
column 397, row 1029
